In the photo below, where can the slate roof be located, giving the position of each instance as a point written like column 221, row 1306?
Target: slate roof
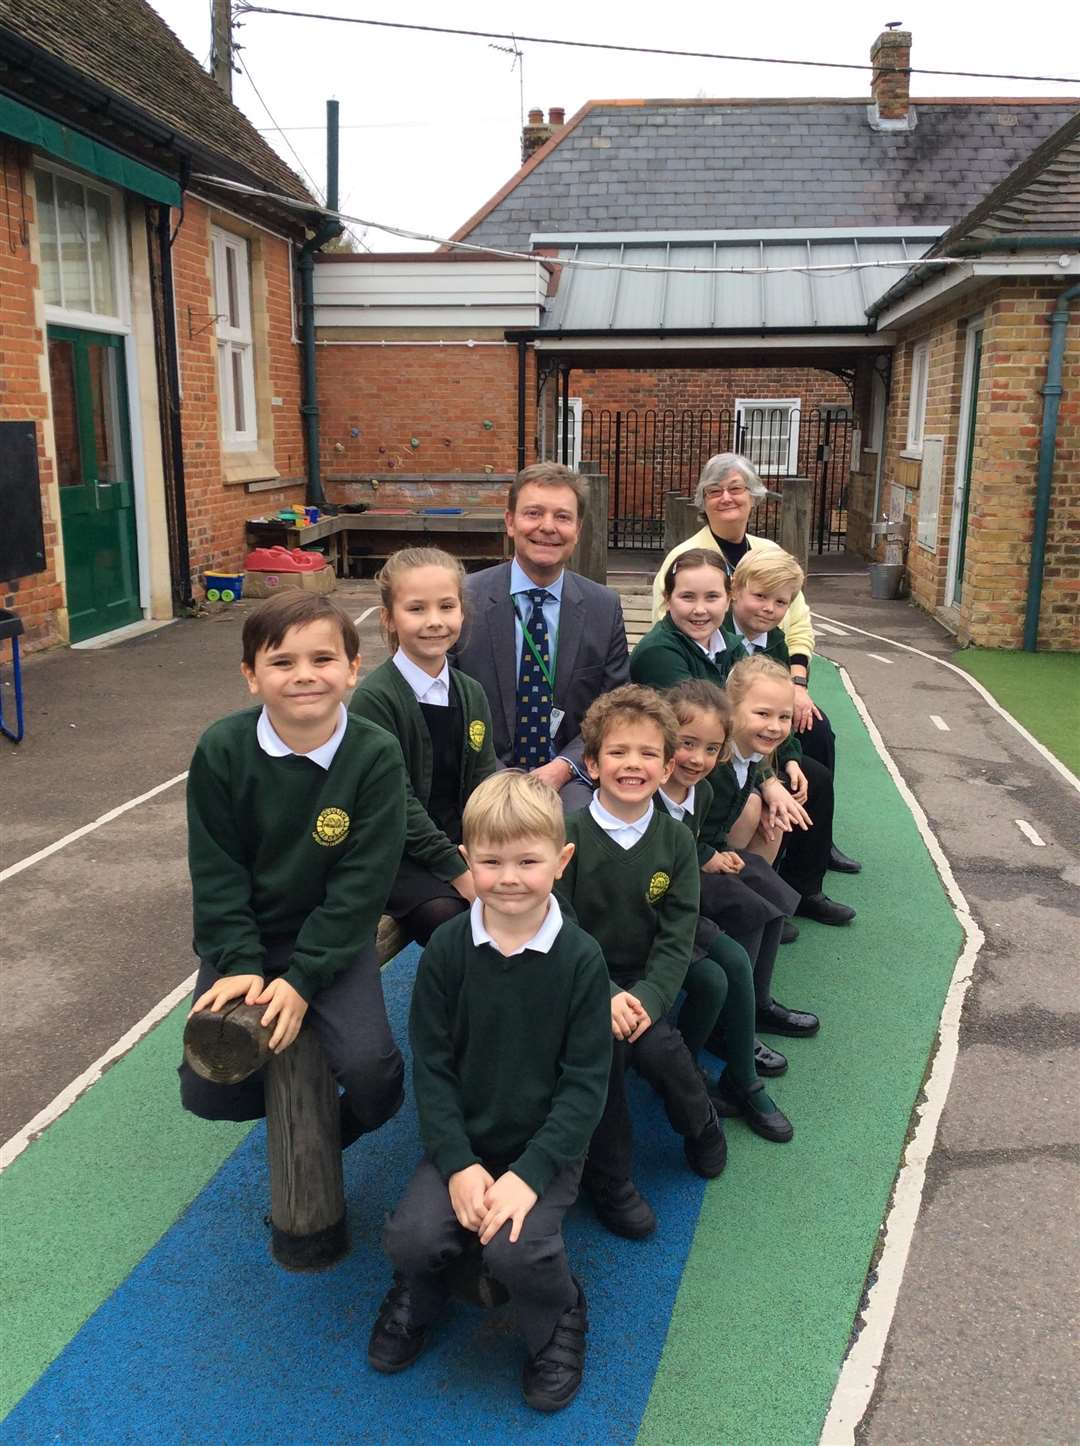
column 1041, row 197
column 685, row 165
column 125, row 47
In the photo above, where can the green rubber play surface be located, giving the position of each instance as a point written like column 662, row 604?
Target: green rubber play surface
column 1040, row 690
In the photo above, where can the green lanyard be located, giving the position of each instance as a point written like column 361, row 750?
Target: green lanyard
column 549, row 676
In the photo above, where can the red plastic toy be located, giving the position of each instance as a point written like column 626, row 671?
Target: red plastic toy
column 283, row 559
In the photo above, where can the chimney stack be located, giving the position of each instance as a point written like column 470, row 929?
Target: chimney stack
column 536, row 133
column 890, row 55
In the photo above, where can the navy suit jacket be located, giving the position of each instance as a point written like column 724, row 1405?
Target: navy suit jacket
column 591, row 657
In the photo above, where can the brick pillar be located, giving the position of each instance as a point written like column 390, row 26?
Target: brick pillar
column 890, row 55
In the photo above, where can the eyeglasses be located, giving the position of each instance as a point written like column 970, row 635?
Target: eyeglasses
column 734, row 492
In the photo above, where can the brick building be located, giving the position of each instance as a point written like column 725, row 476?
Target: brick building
column 981, row 418
column 149, row 371
column 652, row 372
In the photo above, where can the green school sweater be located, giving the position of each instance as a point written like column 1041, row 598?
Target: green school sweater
column 728, row 801
column 665, row 656
column 280, row 846
column 695, row 819
column 385, row 698
column 510, row 1055
column 640, row 904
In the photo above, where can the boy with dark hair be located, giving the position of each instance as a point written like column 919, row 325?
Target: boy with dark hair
column 296, row 822
column 633, row 883
column 511, row 1048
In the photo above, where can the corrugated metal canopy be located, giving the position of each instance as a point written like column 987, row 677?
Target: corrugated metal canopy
column 709, row 301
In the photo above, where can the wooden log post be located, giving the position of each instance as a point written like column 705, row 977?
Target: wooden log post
column 590, row 557
column 303, row 1131
column 795, row 508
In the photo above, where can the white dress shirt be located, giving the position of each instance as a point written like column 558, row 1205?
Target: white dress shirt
column 426, row 689
column 541, row 941
column 626, row 835
column 678, row 809
column 716, row 645
column 270, row 741
column 750, row 643
column 521, row 582
column 741, row 765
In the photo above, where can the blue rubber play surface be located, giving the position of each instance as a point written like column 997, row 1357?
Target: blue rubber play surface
column 208, row 1340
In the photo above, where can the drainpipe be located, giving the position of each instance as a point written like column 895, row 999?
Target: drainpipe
column 521, row 365
column 172, row 406
column 1059, row 324
column 305, row 265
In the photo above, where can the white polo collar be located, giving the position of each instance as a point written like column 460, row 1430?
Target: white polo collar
column 541, row 941
column 272, row 743
column 677, row 810
column 615, row 826
column 426, row 689
column 760, row 641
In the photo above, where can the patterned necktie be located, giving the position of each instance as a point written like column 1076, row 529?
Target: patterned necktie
column 532, row 739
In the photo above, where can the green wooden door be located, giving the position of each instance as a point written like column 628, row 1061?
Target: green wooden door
column 97, row 495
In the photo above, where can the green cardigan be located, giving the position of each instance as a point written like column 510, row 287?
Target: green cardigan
column 665, row 656
column 695, row 820
column 385, row 698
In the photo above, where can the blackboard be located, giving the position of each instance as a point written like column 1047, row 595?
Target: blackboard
column 22, row 542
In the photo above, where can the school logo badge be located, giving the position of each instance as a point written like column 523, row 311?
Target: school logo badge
column 331, row 826
column 477, row 733
column 658, row 886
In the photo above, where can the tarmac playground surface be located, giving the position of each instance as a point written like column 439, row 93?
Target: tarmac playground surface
column 142, row 1302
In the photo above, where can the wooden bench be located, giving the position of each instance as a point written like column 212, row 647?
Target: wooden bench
column 307, row 1196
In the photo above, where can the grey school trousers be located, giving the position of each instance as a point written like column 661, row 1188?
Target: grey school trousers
column 349, row 1018
column 423, row 1235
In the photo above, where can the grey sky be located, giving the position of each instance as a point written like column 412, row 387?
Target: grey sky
column 431, row 124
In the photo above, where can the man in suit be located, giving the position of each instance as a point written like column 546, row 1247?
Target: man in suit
column 542, row 641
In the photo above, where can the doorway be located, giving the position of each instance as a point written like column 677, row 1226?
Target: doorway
column 969, row 407
column 97, row 494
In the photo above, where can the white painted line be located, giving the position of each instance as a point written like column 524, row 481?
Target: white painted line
column 69, row 838
column 983, row 693
column 858, row 1376
column 939, row 723
column 1029, row 833
column 365, row 614
column 879, row 659
column 832, row 632
column 13, row 1148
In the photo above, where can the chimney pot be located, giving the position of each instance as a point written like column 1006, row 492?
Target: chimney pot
column 890, row 55
column 557, row 115
column 538, row 132
column 536, row 117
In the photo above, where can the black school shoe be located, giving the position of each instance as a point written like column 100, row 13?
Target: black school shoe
column 789, row 933
column 841, row 864
column 620, row 1208
column 552, row 1377
column 706, row 1153
column 396, row 1337
column 730, row 1100
column 776, row 1018
column 824, row 910
column 768, row 1062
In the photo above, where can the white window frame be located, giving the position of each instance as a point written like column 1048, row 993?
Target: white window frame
column 920, row 377
column 118, row 322
column 794, row 408
column 234, row 341
column 575, row 432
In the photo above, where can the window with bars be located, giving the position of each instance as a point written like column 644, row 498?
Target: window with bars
column 77, row 246
column 235, row 351
column 767, row 432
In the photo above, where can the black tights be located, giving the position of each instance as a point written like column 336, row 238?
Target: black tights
column 420, row 923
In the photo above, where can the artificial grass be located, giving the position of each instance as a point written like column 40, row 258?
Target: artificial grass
column 1041, row 690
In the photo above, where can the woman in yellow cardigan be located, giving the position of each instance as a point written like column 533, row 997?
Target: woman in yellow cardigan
column 727, row 492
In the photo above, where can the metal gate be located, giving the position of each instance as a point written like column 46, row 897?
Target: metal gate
column 648, row 453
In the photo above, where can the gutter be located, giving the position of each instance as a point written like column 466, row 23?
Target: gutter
column 1051, row 391
column 918, row 274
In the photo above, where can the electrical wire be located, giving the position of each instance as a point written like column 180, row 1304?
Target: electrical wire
column 270, row 114
column 826, row 268
column 247, row 9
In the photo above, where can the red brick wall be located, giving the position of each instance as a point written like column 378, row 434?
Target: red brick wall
column 432, row 411
column 217, row 509
column 1004, row 463
column 696, row 389
column 38, row 599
